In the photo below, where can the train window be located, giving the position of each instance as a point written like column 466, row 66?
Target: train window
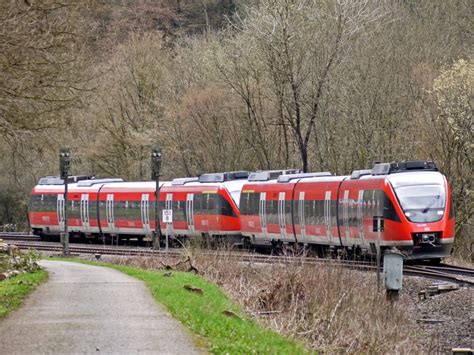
column 377, row 203
column 368, row 197
column 296, row 212
column 389, row 211
column 120, row 212
column 92, row 209
column 316, row 212
column 249, row 203
column 333, row 210
column 197, row 204
column 151, row 210
column 352, row 213
column 74, row 209
column 254, row 203
column 308, row 211
column 211, row 204
column 274, row 211
column 136, row 210
column 451, row 208
column 161, row 206
column 178, row 210
column 224, row 207
column 244, row 203
column 50, row 202
column 205, row 204
column 288, row 212
column 272, row 216
column 341, row 212
column 320, row 212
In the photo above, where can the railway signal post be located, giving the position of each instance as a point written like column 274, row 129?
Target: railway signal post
column 155, row 175
column 64, row 165
column 168, row 219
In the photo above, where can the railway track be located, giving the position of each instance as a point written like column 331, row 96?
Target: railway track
column 442, row 272
column 141, row 251
column 460, row 275
column 19, row 236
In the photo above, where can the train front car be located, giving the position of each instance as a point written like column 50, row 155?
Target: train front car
column 423, row 198
column 205, row 208
column 46, row 207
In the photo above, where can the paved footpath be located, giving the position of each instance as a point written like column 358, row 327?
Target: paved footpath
column 90, row 309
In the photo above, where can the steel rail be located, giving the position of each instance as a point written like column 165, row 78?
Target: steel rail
column 435, row 274
column 21, row 237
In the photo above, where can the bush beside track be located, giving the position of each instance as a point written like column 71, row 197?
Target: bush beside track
column 208, row 312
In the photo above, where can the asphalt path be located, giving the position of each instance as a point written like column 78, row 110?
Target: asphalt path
column 90, row 309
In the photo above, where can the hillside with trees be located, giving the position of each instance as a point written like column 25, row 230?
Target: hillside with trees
column 235, row 84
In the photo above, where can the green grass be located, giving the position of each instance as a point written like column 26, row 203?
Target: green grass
column 15, row 289
column 203, row 314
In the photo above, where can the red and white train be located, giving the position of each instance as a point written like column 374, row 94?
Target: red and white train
column 267, row 208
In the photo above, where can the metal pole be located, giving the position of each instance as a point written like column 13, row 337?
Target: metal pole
column 64, row 161
column 155, row 174
column 66, row 231
column 156, row 239
column 167, row 233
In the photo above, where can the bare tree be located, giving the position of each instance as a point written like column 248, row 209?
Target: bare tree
column 127, row 109
column 40, row 44
column 297, row 45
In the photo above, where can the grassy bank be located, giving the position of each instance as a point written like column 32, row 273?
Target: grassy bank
column 14, row 290
column 207, row 311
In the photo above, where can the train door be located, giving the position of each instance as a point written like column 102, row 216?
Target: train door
column 145, row 213
column 109, row 211
column 190, row 213
column 60, row 211
column 262, row 211
column 84, row 211
column 360, row 216
column 281, row 214
column 327, row 215
column 301, row 216
column 169, row 206
column 345, row 214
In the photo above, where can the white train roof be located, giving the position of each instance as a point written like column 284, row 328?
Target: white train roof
column 234, row 187
column 95, row 185
column 416, row 178
column 149, row 185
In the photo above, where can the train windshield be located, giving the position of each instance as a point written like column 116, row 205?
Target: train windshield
column 422, row 203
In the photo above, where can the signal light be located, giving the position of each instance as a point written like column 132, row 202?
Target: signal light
column 64, row 162
column 155, row 162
